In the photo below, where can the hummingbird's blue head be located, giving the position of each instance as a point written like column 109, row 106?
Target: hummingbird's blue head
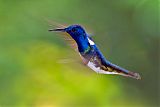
column 78, row 34
column 75, row 31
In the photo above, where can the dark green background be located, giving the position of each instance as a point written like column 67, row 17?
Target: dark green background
column 126, row 31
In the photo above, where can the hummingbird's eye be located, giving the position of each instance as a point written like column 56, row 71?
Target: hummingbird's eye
column 73, row 29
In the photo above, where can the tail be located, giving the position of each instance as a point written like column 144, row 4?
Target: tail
column 124, row 72
column 131, row 74
column 109, row 68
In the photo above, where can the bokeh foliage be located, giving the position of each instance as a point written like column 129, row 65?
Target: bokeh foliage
column 126, row 31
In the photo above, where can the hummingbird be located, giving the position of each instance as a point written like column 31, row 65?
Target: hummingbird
column 90, row 54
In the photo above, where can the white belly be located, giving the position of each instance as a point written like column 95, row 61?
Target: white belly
column 98, row 69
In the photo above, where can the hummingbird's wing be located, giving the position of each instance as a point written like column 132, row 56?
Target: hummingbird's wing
column 71, row 42
column 64, row 35
column 73, row 45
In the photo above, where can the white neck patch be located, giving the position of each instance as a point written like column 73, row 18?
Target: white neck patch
column 90, row 42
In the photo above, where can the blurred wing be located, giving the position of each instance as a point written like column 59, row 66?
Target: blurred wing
column 70, row 41
column 54, row 23
column 90, row 35
column 73, row 45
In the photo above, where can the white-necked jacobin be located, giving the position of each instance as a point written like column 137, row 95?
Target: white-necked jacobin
column 91, row 55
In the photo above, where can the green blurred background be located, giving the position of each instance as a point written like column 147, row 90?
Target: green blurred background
column 126, row 31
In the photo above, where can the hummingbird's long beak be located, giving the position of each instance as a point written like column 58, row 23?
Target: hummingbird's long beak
column 58, row 29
